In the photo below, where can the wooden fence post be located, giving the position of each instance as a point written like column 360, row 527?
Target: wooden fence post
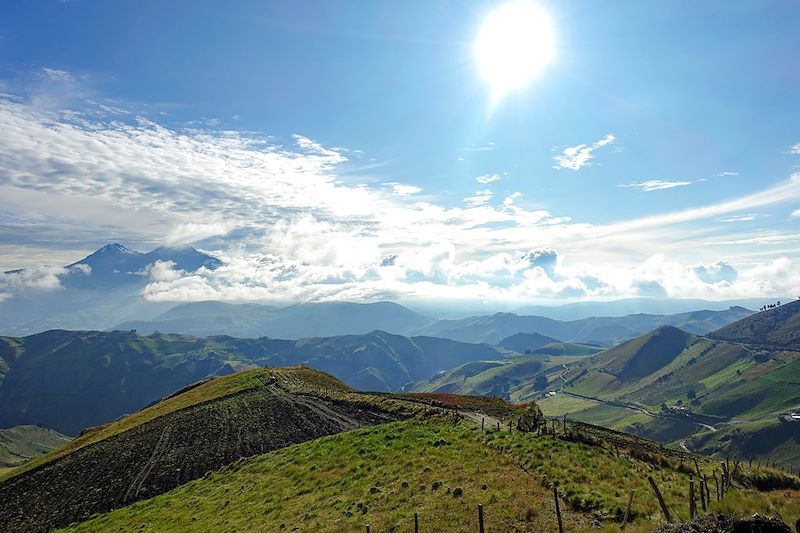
column 703, row 489
column 480, row 518
column 367, row 528
column 558, row 510
column 627, row 511
column 661, row 501
column 482, row 421
column 691, row 498
column 498, row 425
column 716, row 485
column 416, row 523
column 509, row 426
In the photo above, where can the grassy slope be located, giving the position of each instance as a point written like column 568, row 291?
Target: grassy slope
column 779, row 327
column 23, row 443
column 182, row 438
column 510, row 378
column 711, row 381
column 208, row 391
column 382, row 475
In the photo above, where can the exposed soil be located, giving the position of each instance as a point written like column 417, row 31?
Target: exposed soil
column 169, row 451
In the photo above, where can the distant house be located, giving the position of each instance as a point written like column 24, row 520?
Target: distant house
column 790, row 417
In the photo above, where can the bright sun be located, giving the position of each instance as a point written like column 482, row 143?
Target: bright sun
column 514, row 43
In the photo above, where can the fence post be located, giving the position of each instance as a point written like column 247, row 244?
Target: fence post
column 480, row 518
column 558, row 510
column 716, row 484
column 416, row 523
column 703, row 489
column 498, row 425
column 367, row 528
column 509, row 426
column 691, row 498
column 482, row 421
column 627, row 511
column 660, row 498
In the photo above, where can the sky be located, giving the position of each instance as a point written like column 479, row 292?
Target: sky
column 355, row 150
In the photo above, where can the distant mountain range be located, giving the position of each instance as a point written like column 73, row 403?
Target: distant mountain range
column 632, row 306
column 293, row 322
column 606, row 331
column 70, row 380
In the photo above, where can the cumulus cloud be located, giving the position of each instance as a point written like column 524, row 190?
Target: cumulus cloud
column 44, row 279
column 576, row 157
column 717, row 272
column 654, row 185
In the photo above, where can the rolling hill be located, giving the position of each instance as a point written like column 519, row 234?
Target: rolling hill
column 606, row 331
column 718, row 391
column 23, row 443
column 441, row 467
column 69, row 380
column 181, row 438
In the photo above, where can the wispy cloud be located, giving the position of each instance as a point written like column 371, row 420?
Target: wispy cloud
column 576, row 157
column 487, row 178
column 726, row 173
column 796, row 213
column 740, row 218
column 795, row 149
column 654, row 185
column 400, row 189
column 480, row 148
column 192, row 232
column 479, row 198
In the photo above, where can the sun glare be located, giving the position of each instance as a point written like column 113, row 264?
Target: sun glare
column 513, row 45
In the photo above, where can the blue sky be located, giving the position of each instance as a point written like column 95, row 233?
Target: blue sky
column 351, row 147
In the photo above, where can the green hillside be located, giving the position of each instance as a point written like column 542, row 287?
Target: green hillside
column 718, row 394
column 525, row 342
column 442, row 468
column 516, row 379
column 20, row 444
column 71, row 380
column 198, row 430
column 775, row 328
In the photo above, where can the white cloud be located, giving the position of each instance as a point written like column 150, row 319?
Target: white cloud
column 739, row 218
column 400, row 189
column 795, row 213
column 303, row 233
column 479, row 198
column 654, row 185
column 42, row 279
column 576, row 157
column 795, row 149
column 724, row 174
column 487, row 178
column 191, row 232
